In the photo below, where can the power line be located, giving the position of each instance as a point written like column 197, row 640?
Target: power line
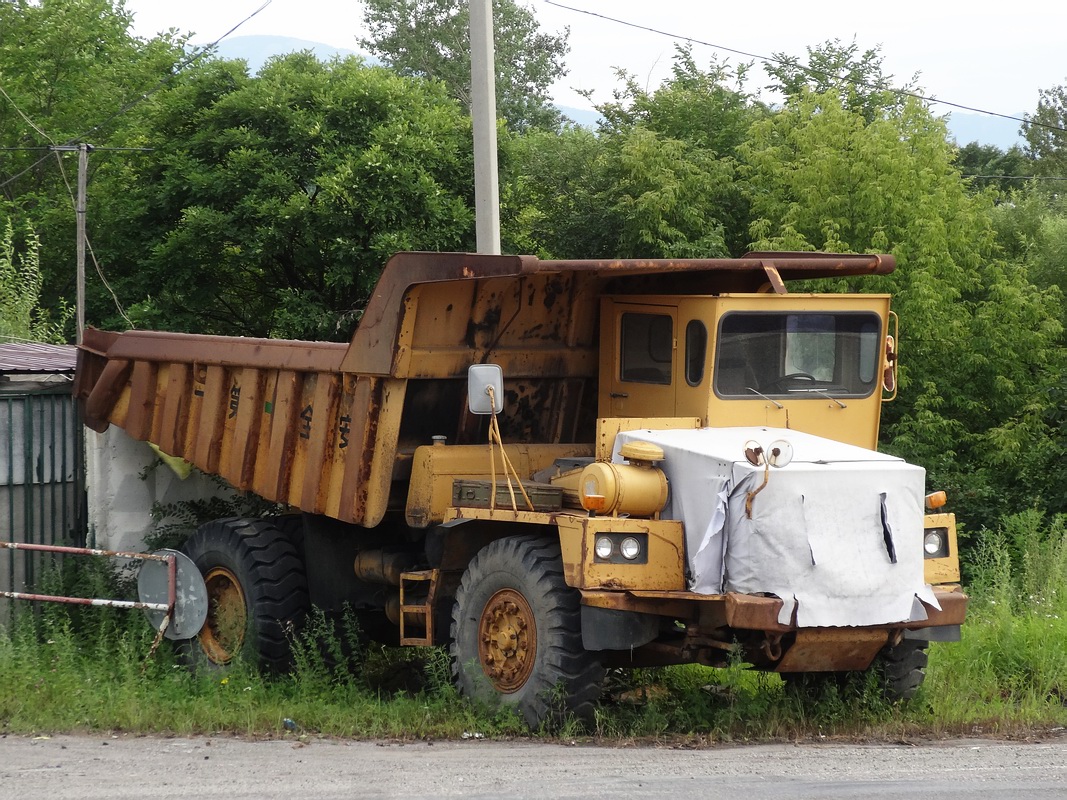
column 1018, row 177
column 793, row 63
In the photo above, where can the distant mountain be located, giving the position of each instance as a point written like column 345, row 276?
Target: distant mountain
column 585, row 117
column 255, row 50
column 981, row 128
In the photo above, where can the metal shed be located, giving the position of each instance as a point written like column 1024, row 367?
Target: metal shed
column 41, row 460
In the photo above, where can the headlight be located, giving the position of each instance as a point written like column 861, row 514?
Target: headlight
column 935, row 543
column 620, row 548
column 630, row 548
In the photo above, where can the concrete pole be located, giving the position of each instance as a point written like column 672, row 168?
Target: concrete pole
column 483, row 114
column 83, row 164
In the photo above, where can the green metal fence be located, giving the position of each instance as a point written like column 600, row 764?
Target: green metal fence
column 42, row 496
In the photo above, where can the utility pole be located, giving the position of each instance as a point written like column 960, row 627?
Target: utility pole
column 483, row 116
column 83, row 167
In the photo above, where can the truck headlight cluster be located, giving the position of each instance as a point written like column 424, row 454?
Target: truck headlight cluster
column 935, row 542
column 621, row 548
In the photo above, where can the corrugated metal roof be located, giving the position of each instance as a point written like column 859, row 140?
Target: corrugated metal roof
column 37, row 358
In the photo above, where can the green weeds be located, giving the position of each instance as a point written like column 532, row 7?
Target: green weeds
column 75, row 669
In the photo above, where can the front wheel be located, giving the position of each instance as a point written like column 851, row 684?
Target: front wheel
column 257, row 591
column 516, row 634
column 902, row 669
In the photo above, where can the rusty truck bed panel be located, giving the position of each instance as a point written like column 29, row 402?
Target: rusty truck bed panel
column 273, row 417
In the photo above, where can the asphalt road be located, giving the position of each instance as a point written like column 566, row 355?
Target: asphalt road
column 114, row 768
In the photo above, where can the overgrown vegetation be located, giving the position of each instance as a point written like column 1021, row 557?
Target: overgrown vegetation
column 86, row 670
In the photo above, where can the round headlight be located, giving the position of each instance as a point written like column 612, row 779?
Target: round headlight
column 603, row 547
column 933, row 543
column 630, row 548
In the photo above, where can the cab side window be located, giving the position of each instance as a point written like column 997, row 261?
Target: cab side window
column 647, row 348
column 696, row 348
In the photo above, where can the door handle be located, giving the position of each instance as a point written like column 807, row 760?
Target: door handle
column 619, row 394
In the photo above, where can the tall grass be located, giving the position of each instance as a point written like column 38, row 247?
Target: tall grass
column 86, row 670
column 1010, row 669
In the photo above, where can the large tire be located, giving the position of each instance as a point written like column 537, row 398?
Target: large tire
column 902, row 669
column 516, row 634
column 257, row 593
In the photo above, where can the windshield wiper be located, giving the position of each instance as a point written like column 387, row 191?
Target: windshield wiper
column 768, row 399
column 821, row 393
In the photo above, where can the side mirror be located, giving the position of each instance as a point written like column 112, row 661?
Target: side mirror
column 485, row 381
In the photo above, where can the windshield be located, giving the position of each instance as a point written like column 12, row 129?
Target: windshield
column 806, row 354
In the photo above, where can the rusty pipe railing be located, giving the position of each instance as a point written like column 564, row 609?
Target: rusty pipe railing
column 168, row 608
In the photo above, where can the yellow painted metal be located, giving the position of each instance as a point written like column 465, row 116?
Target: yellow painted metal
column 947, row 569
column 608, row 428
column 665, row 569
column 434, row 469
column 638, row 398
column 627, row 489
column 854, row 420
column 418, row 592
column 445, row 327
column 223, row 633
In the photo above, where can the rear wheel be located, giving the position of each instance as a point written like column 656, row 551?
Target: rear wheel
column 257, row 592
column 900, row 671
column 516, row 634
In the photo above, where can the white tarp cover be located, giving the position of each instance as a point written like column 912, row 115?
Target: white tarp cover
column 837, row 534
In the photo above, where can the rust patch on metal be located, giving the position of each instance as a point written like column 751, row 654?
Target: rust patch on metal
column 833, row 649
column 749, row 612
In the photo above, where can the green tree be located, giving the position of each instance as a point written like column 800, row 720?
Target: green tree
column 990, row 167
column 979, row 351
column 657, row 180
column 268, row 205
column 855, row 78
column 430, row 38
column 70, row 70
column 1046, row 140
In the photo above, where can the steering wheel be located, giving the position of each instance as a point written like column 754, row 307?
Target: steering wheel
column 793, row 376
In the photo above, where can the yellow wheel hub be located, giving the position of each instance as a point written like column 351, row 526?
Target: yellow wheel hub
column 224, row 632
column 507, row 640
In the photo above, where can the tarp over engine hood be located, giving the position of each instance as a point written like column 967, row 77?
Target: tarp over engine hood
column 837, row 534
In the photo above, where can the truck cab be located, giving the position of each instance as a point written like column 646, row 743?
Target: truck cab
column 813, row 363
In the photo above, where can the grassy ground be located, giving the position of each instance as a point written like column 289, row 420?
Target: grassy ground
column 86, row 670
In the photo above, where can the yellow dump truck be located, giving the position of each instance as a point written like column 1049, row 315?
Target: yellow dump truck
column 556, row 467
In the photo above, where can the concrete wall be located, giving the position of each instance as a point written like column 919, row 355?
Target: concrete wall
column 124, row 478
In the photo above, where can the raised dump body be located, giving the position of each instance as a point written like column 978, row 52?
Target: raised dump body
column 380, row 446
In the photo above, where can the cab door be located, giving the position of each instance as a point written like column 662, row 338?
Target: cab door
column 639, row 365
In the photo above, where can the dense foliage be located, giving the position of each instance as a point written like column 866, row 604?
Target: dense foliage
column 266, row 204
column 430, row 39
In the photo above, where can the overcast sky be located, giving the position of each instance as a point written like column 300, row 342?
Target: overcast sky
column 993, row 56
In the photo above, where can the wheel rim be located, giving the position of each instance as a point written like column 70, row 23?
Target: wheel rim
column 224, row 632
column 507, row 641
